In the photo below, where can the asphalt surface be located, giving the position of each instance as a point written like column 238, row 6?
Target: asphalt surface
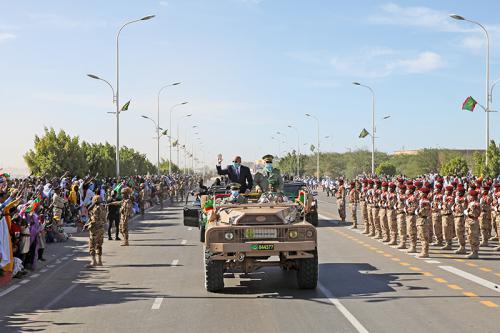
column 156, row 285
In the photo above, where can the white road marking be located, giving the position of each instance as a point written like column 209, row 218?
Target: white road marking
column 175, row 262
column 60, row 296
column 64, row 258
column 472, row 277
column 349, row 316
column 8, row 290
column 35, row 275
column 190, row 228
column 43, row 270
column 24, row 281
column 433, row 262
column 184, row 242
column 157, row 303
column 50, row 266
column 58, row 261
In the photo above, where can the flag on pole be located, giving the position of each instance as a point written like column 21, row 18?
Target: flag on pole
column 125, row 106
column 363, row 133
column 469, row 104
column 175, row 143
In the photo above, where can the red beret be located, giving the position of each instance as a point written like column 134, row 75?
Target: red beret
column 365, row 181
column 392, row 185
column 402, row 187
column 411, row 187
column 497, row 185
column 418, row 183
column 454, row 183
column 460, row 187
column 486, row 188
column 439, row 185
column 473, row 193
column 424, row 190
column 449, row 188
column 384, row 184
column 352, row 184
column 427, row 184
column 409, row 182
column 370, row 181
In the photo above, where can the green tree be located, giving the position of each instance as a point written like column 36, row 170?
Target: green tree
column 478, row 167
column 493, row 167
column 386, row 168
column 164, row 166
column 55, row 153
column 456, row 167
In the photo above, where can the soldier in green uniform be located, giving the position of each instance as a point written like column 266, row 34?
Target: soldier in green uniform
column 269, row 179
column 235, row 197
column 97, row 214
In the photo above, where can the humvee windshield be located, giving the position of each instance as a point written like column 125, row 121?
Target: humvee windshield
column 291, row 190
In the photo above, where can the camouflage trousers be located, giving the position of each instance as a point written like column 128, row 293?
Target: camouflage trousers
column 364, row 216
column 376, row 222
column 124, row 227
column 411, row 229
column 371, row 223
column 460, row 229
column 384, row 224
column 393, row 224
column 141, row 207
column 485, row 226
column 401, row 222
column 341, row 208
column 447, row 221
column 424, row 233
column 96, row 238
column 473, row 231
column 354, row 208
column 437, row 227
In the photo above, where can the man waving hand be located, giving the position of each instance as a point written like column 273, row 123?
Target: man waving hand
column 237, row 173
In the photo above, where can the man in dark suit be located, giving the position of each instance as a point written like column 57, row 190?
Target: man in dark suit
column 237, row 173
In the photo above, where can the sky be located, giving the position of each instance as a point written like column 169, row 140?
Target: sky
column 248, row 68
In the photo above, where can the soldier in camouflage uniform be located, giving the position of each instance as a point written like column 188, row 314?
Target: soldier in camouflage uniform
column 125, row 213
column 411, row 219
column 391, row 214
column 423, row 222
column 354, row 195
column 364, row 206
column 268, row 177
column 340, row 196
column 235, row 197
column 437, row 225
column 447, row 217
column 159, row 190
column 369, row 208
column 401, row 216
column 485, row 217
column 496, row 210
column 376, row 209
column 384, row 223
column 142, row 199
column 472, row 224
column 458, row 217
column 97, row 220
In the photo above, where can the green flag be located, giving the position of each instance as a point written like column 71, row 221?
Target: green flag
column 469, row 104
column 175, row 143
column 125, row 106
column 363, row 133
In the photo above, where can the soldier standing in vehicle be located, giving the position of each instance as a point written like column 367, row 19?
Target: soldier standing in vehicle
column 235, row 197
column 125, row 212
column 97, row 214
column 268, row 176
column 353, row 203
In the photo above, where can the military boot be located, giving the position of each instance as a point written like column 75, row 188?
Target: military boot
column 393, row 241
column 402, row 245
column 461, row 250
column 93, row 262
column 484, row 243
column 496, row 248
column 446, row 247
column 473, row 255
column 99, row 260
column 423, row 254
column 354, row 226
column 494, row 238
column 412, row 249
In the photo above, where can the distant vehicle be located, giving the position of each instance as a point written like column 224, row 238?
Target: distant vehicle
column 243, row 238
column 309, row 204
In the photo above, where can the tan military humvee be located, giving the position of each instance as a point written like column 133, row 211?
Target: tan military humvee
column 246, row 237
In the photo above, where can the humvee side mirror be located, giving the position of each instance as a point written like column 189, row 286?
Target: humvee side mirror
column 191, row 216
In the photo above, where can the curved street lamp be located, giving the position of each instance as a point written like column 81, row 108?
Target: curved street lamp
column 373, row 123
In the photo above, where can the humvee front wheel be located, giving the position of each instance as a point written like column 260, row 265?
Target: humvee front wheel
column 307, row 273
column 312, row 218
column 202, row 233
column 214, row 275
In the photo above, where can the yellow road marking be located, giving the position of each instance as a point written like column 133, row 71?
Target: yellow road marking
column 497, row 274
column 387, row 255
column 404, row 264
column 489, row 304
column 366, row 245
column 448, row 255
column 396, row 259
column 454, row 286
column 471, row 264
column 440, row 280
column 460, row 260
column 372, row 248
column 469, row 294
column 381, row 252
column 484, row 269
column 427, row 274
column 415, row 269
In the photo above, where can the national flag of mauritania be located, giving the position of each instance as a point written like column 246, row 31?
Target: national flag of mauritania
column 125, row 106
column 469, row 104
column 363, row 133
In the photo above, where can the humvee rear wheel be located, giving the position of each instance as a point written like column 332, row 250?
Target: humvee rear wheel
column 312, row 218
column 214, row 275
column 307, row 273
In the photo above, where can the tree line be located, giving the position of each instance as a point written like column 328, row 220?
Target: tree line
column 54, row 153
column 430, row 160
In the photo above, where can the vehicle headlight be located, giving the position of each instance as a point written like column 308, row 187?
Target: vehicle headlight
column 309, row 233
column 229, row 236
column 293, row 234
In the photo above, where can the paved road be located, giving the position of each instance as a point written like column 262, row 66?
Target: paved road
column 156, row 285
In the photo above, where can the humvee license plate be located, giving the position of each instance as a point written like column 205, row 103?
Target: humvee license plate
column 262, row 247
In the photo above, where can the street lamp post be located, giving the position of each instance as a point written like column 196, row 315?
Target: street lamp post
column 488, row 92
column 158, row 121
column 373, row 123
column 317, row 148
column 170, row 136
column 179, row 136
column 117, row 98
column 298, row 148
